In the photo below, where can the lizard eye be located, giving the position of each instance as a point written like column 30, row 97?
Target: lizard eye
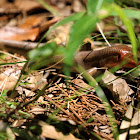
column 117, row 57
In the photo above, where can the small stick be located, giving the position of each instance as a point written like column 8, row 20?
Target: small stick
column 103, row 34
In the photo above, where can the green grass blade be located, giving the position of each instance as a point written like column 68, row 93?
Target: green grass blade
column 109, row 112
column 130, row 29
column 1, row 64
column 92, row 82
column 130, row 13
column 93, row 6
column 49, row 8
column 62, row 22
column 78, row 32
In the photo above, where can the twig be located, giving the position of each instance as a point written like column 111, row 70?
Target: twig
column 21, row 59
column 103, row 34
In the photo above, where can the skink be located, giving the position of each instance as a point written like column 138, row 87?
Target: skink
column 107, row 57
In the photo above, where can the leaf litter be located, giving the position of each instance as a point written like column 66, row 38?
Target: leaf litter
column 74, row 103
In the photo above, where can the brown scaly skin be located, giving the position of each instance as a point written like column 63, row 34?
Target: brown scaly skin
column 107, row 57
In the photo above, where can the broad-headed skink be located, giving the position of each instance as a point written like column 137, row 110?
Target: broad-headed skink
column 107, row 57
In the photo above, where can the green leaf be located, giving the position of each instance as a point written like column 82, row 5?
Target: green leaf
column 109, row 111
column 62, row 22
column 109, row 1
column 24, row 114
column 50, row 53
column 130, row 29
column 49, row 8
column 42, row 52
column 81, row 29
column 93, row 6
column 78, row 32
column 130, row 13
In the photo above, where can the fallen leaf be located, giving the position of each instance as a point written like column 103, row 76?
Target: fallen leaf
column 50, row 132
column 38, row 110
column 27, row 5
column 118, row 87
column 134, row 132
column 125, row 123
column 7, row 82
column 19, row 34
column 80, row 84
column 30, row 29
column 60, row 35
column 33, row 21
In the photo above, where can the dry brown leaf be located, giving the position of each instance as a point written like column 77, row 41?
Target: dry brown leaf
column 10, row 133
column 7, row 82
column 79, row 83
column 6, row 5
column 50, row 132
column 126, row 124
column 27, row 5
column 118, row 87
column 8, row 79
column 60, row 35
column 19, row 34
column 18, row 122
column 34, row 79
column 133, row 125
column 32, row 21
column 134, row 132
column 77, row 6
column 38, row 110
column 27, row 92
column 28, row 30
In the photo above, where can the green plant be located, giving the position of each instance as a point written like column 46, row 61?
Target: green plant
column 86, row 20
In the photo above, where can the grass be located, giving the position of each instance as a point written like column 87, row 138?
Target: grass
column 87, row 21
